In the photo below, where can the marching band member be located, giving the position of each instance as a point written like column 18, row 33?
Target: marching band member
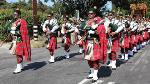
column 145, row 34
column 139, row 35
column 81, row 34
column 125, row 41
column 95, row 43
column 141, row 28
column 133, row 38
column 148, row 28
column 115, row 28
column 21, row 41
column 66, row 31
column 50, row 27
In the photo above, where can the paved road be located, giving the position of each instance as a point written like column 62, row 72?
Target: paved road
column 73, row 70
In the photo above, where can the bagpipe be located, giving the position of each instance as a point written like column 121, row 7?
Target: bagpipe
column 113, row 28
column 49, row 27
column 90, row 30
column 65, row 33
column 48, row 34
column 16, row 35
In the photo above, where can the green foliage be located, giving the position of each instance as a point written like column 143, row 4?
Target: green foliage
column 6, row 11
column 60, row 7
column 4, row 29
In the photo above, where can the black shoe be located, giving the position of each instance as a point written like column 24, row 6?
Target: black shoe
column 93, row 81
column 113, row 68
column 50, row 62
column 89, row 77
column 80, row 53
column 17, row 72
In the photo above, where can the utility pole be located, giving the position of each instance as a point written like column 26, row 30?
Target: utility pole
column 34, row 13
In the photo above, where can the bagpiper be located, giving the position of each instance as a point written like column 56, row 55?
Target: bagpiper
column 81, row 33
column 21, row 41
column 66, row 31
column 125, row 40
column 133, row 37
column 113, row 37
column 148, row 29
column 145, row 33
column 94, row 43
column 50, row 27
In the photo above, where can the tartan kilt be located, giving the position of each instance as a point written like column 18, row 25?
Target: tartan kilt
column 136, row 39
column 115, row 45
column 52, row 43
column 133, row 40
column 96, row 55
column 19, row 48
column 141, row 38
column 126, row 42
column 67, row 43
column 23, row 50
column 80, row 43
column 145, row 36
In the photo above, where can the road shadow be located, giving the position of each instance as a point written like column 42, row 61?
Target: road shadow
column 120, row 62
column 104, row 71
column 35, row 65
column 74, row 54
column 60, row 58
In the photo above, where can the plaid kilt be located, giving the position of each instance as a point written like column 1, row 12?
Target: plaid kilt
column 80, row 43
column 115, row 45
column 19, row 48
column 141, row 38
column 133, row 39
column 52, row 43
column 145, row 35
column 126, row 41
column 67, row 43
column 96, row 51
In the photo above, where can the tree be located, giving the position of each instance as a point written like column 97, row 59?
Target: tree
column 2, row 2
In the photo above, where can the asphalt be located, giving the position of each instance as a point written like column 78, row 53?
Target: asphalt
column 73, row 70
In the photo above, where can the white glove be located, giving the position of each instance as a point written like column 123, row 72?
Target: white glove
column 45, row 29
column 76, row 30
column 13, row 28
column 95, row 26
column 13, row 32
column 91, row 32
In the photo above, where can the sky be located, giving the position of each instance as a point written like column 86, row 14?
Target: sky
column 49, row 2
